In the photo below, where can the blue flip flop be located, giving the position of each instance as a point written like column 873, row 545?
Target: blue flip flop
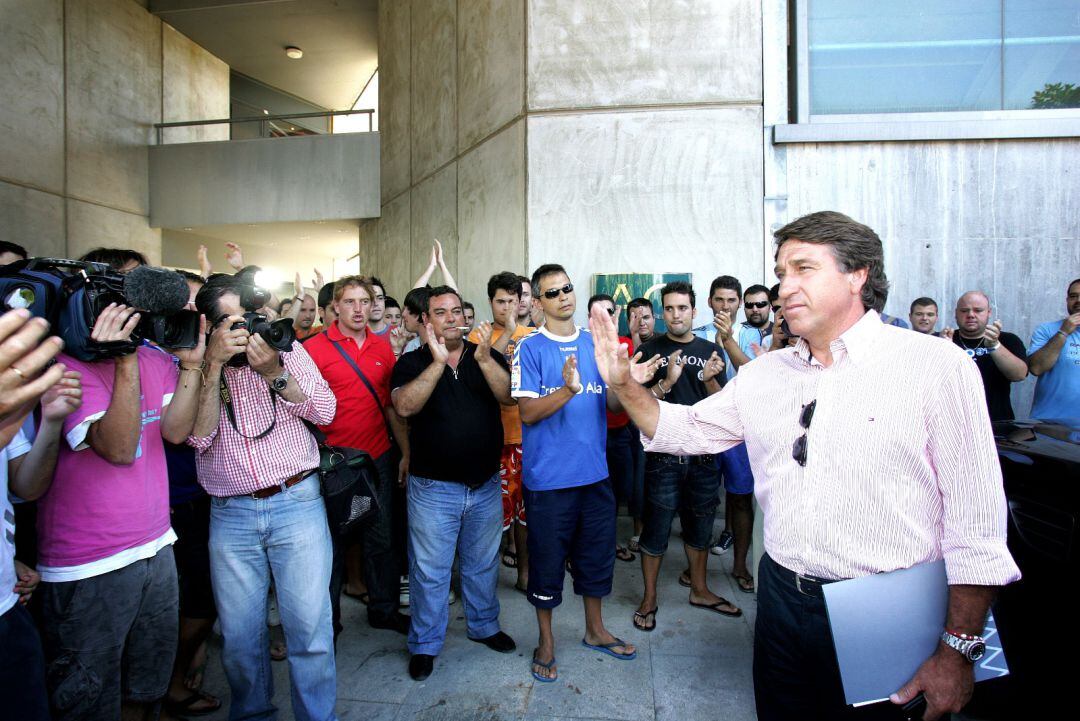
column 606, row 648
column 548, row 665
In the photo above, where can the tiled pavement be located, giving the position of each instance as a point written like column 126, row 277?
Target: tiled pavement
column 694, row 667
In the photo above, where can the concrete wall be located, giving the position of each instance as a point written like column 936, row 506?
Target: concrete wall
column 451, row 103
column 85, row 82
column 314, row 177
column 636, row 124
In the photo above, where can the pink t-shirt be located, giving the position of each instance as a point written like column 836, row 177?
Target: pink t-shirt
column 95, row 509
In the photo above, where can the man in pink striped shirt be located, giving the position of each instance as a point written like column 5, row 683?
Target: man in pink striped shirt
column 257, row 460
column 855, row 474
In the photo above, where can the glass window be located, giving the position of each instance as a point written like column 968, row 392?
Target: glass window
column 1042, row 54
column 942, row 55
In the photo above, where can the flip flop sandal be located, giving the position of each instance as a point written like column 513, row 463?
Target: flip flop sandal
column 684, row 579
column 715, row 608
column 183, row 706
column 547, row 666
column 624, row 554
column 645, row 619
column 509, row 559
column 633, row 544
column 744, row 582
column 607, row 648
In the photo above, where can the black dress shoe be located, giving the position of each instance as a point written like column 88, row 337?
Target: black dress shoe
column 497, row 642
column 398, row 622
column 420, row 665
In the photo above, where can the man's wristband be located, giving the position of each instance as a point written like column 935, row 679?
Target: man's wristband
column 1063, row 334
column 660, row 385
column 189, row 368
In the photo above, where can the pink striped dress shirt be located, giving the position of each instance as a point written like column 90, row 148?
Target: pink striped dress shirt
column 901, row 465
column 229, row 464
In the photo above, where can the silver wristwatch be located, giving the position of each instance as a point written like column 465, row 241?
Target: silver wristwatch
column 281, row 382
column 968, row 645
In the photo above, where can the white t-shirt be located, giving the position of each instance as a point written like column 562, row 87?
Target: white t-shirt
column 19, row 446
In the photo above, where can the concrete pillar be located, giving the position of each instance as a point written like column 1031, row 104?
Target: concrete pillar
column 609, row 136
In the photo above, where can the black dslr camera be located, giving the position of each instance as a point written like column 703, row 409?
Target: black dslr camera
column 280, row 333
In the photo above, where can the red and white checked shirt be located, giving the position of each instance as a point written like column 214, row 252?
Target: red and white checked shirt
column 901, row 466
column 229, row 464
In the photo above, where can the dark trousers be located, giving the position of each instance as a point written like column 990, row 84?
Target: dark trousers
column 22, row 667
column 620, row 459
column 796, row 675
column 380, row 561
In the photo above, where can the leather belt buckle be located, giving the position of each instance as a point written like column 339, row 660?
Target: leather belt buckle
column 683, row 460
column 813, row 588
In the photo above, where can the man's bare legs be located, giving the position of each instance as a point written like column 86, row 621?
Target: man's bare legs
column 596, row 634
column 740, row 509
column 521, row 535
column 650, row 571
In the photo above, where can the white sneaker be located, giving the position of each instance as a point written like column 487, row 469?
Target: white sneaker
column 634, row 544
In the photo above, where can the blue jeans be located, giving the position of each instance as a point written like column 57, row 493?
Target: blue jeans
column 284, row 536
column 687, row 485
column 444, row 517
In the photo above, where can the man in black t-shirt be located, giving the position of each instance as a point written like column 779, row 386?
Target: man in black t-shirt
column 691, row 370
column 450, row 390
column 1000, row 356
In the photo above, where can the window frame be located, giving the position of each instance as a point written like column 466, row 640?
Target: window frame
column 944, row 125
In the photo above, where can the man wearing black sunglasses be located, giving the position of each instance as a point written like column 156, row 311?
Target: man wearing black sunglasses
column 568, row 497
column 855, row 474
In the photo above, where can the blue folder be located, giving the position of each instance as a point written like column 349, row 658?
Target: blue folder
column 885, row 625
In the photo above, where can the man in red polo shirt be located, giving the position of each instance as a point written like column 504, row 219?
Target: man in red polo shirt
column 362, row 387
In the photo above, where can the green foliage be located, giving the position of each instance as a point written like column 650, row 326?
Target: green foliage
column 1056, row 95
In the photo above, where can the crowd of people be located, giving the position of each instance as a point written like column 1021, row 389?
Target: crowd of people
column 159, row 493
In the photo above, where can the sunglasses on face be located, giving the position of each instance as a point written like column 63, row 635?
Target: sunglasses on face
column 798, row 451
column 749, row 305
column 554, row 293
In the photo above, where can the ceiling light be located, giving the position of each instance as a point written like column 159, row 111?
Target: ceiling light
column 294, row 53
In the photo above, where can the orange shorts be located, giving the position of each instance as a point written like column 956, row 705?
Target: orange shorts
column 510, row 476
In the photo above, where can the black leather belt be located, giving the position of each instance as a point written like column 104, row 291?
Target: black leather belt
column 274, row 490
column 703, row 460
column 806, row 585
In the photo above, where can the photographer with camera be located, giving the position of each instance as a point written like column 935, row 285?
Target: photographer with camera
column 109, row 586
column 258, row 461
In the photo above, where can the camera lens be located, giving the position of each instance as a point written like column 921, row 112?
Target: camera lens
column 279, row 334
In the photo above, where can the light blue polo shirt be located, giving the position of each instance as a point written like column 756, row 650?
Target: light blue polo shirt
column 748, row 336
column 568, row 448
column 1057, row 391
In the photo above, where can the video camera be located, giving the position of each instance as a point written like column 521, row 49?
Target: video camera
column 71, row 294
column 280, row 333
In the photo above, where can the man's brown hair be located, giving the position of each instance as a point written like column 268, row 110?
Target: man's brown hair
column 353, row 281
column 854, row 245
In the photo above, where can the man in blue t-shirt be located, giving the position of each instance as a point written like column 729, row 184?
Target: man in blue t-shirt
column 568, row 498
column 1054, row 357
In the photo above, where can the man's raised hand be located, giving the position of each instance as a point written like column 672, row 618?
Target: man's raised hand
column 483, row 342
column 24, row 354
column 674, row 369
column 570, row 375
column 116, row 323
column 713, row 366
column 64, row 398
column 610, row 355
column 643, row 371
column 437, row 345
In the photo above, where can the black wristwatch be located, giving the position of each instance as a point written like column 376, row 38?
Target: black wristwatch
column 279, row 384
column 968, row 645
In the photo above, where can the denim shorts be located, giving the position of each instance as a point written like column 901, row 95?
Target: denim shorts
column 734, row 466
column 689, row 486
column 111, row 637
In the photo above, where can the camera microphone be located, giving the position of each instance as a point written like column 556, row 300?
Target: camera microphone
column 156, row 290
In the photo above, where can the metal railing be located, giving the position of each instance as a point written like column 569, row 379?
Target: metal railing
column 266, row 122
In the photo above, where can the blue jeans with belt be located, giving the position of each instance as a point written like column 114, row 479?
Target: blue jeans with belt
column 445, row 517
column 284, row 536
